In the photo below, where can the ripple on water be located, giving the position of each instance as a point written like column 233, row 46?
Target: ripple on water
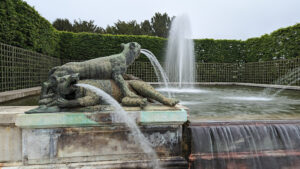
column 182, row 90
column 189, row 103
column 249, row 98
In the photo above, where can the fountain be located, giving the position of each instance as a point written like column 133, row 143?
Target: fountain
column 288, row 79
column 180, row 59
column 80, row 120
column 93, row 114
column 268, row 93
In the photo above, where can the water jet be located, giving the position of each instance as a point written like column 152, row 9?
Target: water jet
column 180, row 59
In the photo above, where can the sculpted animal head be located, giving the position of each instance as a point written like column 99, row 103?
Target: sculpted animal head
column 132, row 51
column 65, row 84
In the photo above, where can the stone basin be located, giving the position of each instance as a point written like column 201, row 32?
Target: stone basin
column 89, row 139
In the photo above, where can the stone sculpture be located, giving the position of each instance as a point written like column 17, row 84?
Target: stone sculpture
column 60, row 93
column 110, row 67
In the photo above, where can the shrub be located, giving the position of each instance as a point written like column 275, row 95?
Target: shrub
column 280, row 44
column 209, row 50
column 83, row 46
column 22, row 26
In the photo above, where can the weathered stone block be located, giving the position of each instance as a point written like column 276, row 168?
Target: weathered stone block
column 10, row 144
column 61, row 145
column 59, row 138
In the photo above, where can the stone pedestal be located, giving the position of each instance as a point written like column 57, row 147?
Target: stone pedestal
column 98, row 140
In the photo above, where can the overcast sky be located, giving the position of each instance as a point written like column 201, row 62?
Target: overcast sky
column 218, row 19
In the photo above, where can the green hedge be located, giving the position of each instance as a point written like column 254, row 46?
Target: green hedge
column 281, row 44
column 90, row 45
column 209, row 50
column 22, row 26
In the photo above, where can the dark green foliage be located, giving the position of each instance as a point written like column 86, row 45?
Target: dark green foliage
column 77, row 26
column 146, row 28
column 63, row 24
column 161, row 24
column 124, row 28
column 84, row 26
column 281, row 44
column 100, row 30
column 81, row 46
column 209, row 50
column 110, row 29
column 22, row 26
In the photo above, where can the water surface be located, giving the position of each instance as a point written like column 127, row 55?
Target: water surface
column 238, row 103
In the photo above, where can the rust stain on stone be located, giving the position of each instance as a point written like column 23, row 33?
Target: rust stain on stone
column 88, row 137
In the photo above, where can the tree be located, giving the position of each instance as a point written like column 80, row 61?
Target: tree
column 84, row 26
column 100, row 30
column 129, row 28
column 62, row 24
column 146, row 28
column 110, row 29
column 160, row 24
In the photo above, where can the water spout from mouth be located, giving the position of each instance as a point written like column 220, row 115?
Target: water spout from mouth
column 159, row 71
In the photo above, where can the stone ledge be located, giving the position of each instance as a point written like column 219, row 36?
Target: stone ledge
column 8, row 113
column 171, row 162
column 16, row 94
column 238, row 84
column 54, row 120
column 269, row 86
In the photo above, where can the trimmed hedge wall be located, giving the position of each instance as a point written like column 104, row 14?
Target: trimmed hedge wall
column 209, row 50
column 82, row 46
column 22, row 26
column 281, row 44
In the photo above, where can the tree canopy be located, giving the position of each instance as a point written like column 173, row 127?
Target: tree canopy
column 158, row 25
